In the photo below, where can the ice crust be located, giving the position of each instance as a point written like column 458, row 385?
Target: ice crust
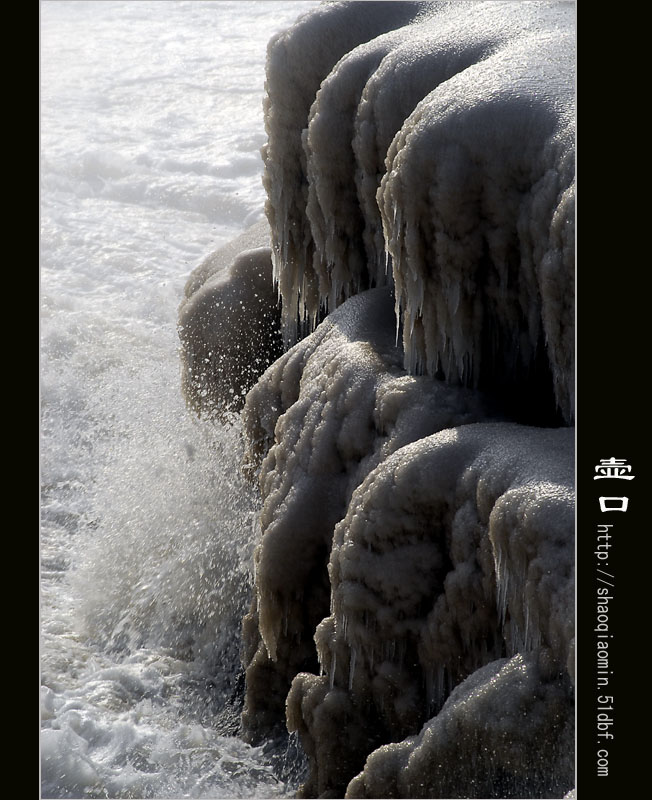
column 413, row 612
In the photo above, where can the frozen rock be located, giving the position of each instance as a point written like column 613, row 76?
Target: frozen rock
column 323, row 415
column 456, row 550
column 229, row 324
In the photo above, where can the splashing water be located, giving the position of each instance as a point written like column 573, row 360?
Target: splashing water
column 151, row 122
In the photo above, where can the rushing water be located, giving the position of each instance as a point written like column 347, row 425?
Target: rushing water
column 151, row 125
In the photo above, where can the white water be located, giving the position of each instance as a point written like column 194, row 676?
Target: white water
column 151, row 124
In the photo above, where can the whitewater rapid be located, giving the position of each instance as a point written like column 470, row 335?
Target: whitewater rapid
column 151, row 126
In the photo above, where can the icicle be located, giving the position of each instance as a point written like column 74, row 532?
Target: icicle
column 517, row 640
column 441, row 676
column 397, row 314
column 503, row 597
column 371, row 658
column 331, row 682
column 502, row 580
column 430, row 691
column 354, row 656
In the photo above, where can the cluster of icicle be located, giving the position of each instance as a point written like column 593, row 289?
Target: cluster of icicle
column 431, row 146
column 413, row 616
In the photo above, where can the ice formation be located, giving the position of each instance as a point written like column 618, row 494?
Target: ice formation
column 413, row 611
column 455, row 551
column 439, row 157
column 321, row 418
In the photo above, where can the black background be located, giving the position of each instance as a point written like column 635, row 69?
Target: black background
column 614, row 230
